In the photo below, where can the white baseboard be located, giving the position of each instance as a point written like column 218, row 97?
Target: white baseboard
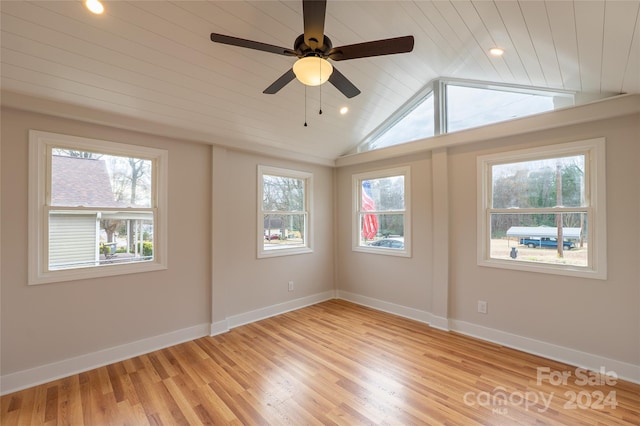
column 19, row 380
column 392, row 308
column 219, row 327
column 623, row 370
column 441, row 323
column 27, row 378
column 280, row 308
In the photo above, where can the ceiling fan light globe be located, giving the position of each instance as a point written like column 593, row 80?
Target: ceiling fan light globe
column 94, row 6
column 312, row 70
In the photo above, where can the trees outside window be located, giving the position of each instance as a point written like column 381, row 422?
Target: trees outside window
column 94, row 208
column 284, row 199
column 544, row 208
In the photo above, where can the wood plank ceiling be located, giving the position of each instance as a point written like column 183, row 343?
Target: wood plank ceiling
column 150, row 64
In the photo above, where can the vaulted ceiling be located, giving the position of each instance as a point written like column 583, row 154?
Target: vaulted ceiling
column 151, row 64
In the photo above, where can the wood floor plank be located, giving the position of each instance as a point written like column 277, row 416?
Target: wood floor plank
column 182, row 398
column 214, row 407
column 334, row 363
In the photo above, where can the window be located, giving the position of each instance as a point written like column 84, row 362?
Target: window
column 381, row 212
column 416, row 123
column 543, row 209
column 448, row 105
column 96, row 208
column 284, row 199
column 473, row 106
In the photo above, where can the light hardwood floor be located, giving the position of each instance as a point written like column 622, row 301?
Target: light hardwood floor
column 331, row 363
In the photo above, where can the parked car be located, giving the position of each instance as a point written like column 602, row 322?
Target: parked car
column 546, row 242
column 388, row 243
column 272, row 237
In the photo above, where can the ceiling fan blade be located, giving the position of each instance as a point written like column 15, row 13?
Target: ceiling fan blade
column 343, row 84
column 313, row 13
column 249, row 44
column 389, row 46
column 280, row 83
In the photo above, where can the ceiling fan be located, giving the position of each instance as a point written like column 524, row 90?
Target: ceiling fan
column 313, row 48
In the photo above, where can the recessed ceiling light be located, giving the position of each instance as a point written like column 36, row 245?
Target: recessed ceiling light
column 94, row 6
column 496, row 51
column 344, row 110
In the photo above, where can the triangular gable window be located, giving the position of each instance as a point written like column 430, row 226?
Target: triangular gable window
column 415, row 124
column 453, row 105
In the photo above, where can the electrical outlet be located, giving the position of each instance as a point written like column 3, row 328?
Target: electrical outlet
column 290, row 285
column 482, row 306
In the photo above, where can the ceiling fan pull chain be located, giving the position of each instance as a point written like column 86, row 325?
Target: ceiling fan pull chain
column 320, row 86
column 305, row 106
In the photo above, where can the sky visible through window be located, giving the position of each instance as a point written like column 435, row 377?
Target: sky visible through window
column 472, row 106
column 417, row 124
column 467, row 107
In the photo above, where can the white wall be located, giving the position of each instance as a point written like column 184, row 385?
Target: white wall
column 582, row 321
column 53, row 330
column 50, row 323
column 212, row 216
column 243, row 284
column 593, row 316
column 402, row 281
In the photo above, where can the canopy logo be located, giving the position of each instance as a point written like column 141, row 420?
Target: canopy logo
column 499, row 399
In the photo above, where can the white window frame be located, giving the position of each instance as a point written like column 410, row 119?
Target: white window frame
column 561, row 98
column 438, row 89
column 595, row 207
column 40, row 146
column 356, row 184
column 308, row 208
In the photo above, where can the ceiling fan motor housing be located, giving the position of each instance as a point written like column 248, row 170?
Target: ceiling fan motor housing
column 303, row 50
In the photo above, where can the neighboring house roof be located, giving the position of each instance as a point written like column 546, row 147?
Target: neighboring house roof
column 81, row 182
column 542, row 231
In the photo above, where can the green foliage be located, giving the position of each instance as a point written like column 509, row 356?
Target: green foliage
column 108, row 248
column 147, row 248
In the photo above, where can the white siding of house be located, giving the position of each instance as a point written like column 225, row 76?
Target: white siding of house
column 72, row 239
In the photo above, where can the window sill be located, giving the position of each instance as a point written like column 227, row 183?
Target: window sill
column 541, row 268
column 265, row 254
column 382, row 251
column 63, row 275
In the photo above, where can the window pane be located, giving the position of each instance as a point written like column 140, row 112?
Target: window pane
column 384, row 194
column 284, row 231
column 472, row 106
column 84, row 239
column 533, row 184
column 535, row 237
column 416, row 124
column 283, row 215
column 72, row 240
column 282, row 193
column 374, row 227
column 89, row 179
